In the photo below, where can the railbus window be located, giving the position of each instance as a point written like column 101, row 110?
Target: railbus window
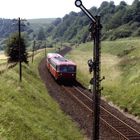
column 67, row 69
column 71, row 69
column 63, row 68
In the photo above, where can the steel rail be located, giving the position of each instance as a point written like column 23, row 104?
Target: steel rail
column 112, row 127
column 108, row 111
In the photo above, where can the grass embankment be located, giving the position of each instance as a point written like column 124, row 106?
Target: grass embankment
column 27, row 112
column 120, row 66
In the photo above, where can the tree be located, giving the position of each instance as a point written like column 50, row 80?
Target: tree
column 41, row 34
column 57, row 21
column 12, row 49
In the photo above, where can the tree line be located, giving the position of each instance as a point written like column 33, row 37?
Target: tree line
column 8, row 26
column 118, row 21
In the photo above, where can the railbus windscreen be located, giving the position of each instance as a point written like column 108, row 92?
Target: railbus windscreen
column 67, row 68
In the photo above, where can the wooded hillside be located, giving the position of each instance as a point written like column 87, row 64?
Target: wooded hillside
column 8, row 26
column 118, row 21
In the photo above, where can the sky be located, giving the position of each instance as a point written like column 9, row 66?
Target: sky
column 31, row 9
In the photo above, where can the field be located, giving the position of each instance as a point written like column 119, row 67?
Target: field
column 3, row 58
column 27, row 112
column 121, row 68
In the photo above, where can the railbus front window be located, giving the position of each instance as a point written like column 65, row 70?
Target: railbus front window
column 63, row 68
column 67, row 69
column 71, row 68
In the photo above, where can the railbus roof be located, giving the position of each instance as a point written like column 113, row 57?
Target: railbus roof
column 62, row 61
column 51, row 55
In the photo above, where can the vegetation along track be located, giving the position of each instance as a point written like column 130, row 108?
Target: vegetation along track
column 76, row 101
column 5, row 66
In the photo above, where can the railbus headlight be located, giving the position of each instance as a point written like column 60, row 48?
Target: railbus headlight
column 60, row 74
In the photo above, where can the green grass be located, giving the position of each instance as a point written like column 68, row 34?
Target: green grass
column 121, row 67
column 3, row 58
column 3, row 61
column 27, row 112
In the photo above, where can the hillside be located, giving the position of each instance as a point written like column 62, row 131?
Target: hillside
column 121, row 68
column 38, row 23
column 27, row 112
column 8, row 26
column 118, row 21
column 31, row 29
column 41, row 21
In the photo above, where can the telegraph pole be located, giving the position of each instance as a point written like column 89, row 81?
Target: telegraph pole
column 95, row 29
column 20, row 64
column 61, row 43
column 45, row 49
column 33, row 51
column 19, row 45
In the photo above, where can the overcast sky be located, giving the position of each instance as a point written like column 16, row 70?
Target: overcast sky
column 44, row 8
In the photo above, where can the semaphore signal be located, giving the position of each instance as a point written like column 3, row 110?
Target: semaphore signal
column 95, row 29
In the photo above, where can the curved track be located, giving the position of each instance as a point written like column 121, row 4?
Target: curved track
column 76, row 101
column 123, row 129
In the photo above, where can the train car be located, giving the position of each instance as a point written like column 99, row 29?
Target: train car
column 60, row 67
column 49, row 56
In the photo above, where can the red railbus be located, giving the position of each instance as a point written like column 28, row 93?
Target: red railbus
column 49, row 56
column 60, row 67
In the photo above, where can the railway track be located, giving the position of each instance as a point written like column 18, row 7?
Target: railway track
column 124, row 130
column 77, row 102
